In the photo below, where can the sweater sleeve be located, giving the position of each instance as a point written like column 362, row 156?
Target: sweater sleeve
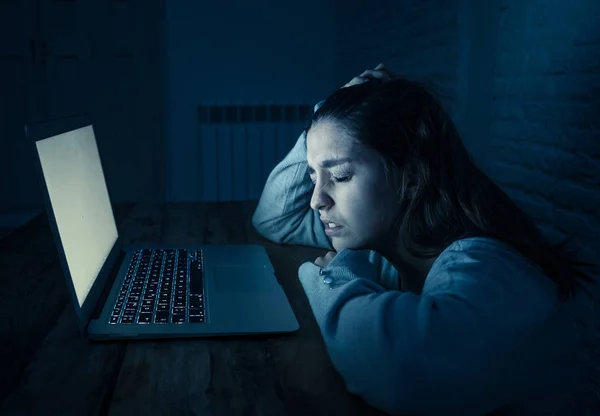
column 283, row 214
column 467, row 345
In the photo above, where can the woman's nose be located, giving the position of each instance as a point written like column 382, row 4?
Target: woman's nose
column 320, row 200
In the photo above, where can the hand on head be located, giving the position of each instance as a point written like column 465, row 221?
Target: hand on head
column 381, row 73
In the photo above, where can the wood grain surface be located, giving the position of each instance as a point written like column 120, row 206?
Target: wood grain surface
column 48, row 368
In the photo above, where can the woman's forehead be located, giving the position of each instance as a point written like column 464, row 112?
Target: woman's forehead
column 328, row 140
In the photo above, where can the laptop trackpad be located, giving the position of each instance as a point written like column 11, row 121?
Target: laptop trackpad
column 240, row 279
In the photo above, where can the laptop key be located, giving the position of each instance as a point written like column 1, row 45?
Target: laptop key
column 196, row 319
column 147, row 309
column 179, row 318
column 145, row 318
column 195, row 301
column 127, row 320
column 162, row 317
column 196, row 278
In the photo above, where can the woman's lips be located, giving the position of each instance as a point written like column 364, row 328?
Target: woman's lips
column 332, row 231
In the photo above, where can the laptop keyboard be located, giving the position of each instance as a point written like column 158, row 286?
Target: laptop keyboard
column 162, row 286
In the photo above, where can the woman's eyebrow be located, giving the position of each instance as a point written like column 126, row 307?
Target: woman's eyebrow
column 329, row 163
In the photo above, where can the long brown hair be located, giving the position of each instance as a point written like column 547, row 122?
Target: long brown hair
column 451, row 198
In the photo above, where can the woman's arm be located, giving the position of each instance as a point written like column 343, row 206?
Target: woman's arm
column 482, row 335
column 283, row 214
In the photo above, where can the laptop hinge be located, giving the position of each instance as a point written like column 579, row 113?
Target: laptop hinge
column 112, row 276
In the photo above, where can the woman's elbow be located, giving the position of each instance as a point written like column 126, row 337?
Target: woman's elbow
column 266, row 229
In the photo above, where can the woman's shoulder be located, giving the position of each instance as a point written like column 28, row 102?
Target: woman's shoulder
column 484, row 252
column 508, row 292
column 488, row 265
column 486, row 244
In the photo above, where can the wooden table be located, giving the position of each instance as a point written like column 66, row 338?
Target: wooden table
column 47, row 369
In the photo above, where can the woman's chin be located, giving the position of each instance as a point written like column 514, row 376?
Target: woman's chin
column 349, row 246
column 340, row 245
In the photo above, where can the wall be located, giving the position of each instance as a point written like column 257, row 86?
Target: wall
column 545, row 120
column 544, row 128
column 239, row 52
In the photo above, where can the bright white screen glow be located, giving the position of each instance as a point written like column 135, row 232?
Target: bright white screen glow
column 79, row 198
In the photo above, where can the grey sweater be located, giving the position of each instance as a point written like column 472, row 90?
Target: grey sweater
column 487, row 334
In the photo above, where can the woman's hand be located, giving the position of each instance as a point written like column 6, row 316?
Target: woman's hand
column 380, row 73
column 326, row 259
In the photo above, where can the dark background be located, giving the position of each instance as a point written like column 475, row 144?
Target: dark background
column 521, row 79
column 198, row 100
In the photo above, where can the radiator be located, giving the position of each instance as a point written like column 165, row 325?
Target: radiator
column 241, row 144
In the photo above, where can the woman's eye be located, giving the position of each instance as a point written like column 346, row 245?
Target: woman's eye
column 342, row 178
column 336, row 179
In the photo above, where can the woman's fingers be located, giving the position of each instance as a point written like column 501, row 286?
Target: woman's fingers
column 355, row 81
column 381, row 73
column 391, row 74
column 373, row 73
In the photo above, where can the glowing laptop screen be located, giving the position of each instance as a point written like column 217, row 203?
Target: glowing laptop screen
column 79, row 198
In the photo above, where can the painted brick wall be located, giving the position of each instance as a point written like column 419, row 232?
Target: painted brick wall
column 522, row 81
column 545, row 134
column 546, row 112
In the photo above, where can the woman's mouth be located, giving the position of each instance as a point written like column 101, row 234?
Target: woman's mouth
column 332, row 228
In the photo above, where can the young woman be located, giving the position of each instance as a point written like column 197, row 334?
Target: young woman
column 440, row 297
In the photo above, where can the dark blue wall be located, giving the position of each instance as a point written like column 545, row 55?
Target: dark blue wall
column 265, row 52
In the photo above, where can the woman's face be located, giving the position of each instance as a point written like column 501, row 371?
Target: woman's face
column 350, row 189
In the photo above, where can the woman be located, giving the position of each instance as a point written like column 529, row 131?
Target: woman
column 441, row 297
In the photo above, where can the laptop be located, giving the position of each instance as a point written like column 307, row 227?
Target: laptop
column 151, row 291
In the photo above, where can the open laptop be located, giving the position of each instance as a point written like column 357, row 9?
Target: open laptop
column 144, row 291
